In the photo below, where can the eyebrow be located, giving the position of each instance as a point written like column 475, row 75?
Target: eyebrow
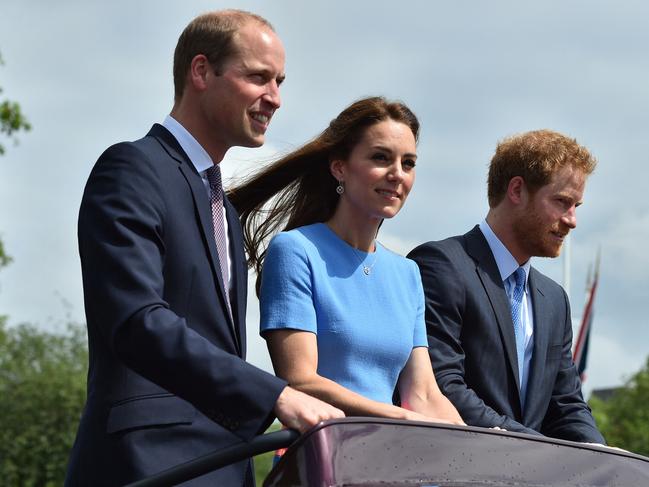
column 266, row 72
column 567, row 196
column 386, row 149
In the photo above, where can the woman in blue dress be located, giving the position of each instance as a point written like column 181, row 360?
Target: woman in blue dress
column 343, row 316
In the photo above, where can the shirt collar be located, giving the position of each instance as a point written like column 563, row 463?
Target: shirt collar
column 197, row 155
column 504, row 259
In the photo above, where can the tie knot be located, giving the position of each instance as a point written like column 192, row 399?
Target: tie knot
column 214, row 177
column 519, row 277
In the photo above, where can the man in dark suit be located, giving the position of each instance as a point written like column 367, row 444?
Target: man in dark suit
column 165, row 276
column 499, row 331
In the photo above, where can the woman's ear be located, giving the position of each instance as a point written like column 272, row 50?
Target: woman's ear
column 337, row 169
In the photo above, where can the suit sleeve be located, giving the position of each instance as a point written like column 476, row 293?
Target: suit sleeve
column 568, row 416
column 122, row 249
column 445, row 300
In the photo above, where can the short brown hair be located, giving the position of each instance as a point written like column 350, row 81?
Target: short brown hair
column 535, row 156
column 212, row 35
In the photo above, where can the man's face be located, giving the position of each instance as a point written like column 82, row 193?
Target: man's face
column 549, row 214
column 240, row 102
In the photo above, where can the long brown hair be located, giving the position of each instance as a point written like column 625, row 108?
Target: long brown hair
column 299, row 189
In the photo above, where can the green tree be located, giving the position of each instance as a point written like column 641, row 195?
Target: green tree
column 42, row 379
column 4, row 258
column 12, row 119
column 42, row 392
column 624, row 418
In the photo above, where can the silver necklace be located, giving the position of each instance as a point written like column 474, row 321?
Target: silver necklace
column 367, row 269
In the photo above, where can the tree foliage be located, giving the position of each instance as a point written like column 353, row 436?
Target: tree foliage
column 12, row 119
column 4, row 258
column 624, row 418
column 42, row 392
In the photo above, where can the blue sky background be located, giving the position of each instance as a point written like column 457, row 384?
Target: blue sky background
column 89, row 74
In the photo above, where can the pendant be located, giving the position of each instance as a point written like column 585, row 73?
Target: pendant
column 366, row 270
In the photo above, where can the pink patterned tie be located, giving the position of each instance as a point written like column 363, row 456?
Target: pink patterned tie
column 216, row 203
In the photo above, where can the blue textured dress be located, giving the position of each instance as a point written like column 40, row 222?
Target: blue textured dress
column 366, row 325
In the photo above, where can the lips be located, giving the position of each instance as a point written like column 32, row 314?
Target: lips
column 262, row 119
column 388, row 193
column 559, row 235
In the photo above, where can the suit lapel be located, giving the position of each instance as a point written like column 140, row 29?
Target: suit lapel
column 239, row 293
column 487, row 270
column 541, row 340
column 201, row 203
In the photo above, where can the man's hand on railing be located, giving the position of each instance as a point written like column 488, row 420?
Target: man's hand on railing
column 301, row 412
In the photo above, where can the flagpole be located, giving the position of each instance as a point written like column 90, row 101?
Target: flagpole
column 581, row 345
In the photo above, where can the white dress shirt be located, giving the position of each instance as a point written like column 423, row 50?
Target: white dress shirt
column 202, row 162
column 507, row 265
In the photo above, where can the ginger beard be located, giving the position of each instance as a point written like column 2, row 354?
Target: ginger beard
column 536, row 236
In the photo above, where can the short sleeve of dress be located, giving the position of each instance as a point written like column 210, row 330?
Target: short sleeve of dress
column 419, row 338
column 286, row 298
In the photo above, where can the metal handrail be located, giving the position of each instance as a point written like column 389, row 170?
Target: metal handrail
column 220, row 458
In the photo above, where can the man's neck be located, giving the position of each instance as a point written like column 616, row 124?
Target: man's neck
column 193, row 125
column 502, row 225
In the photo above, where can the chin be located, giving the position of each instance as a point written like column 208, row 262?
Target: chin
column 386, row 215
column 256, row 142
column 252, row 139
column 551, row 251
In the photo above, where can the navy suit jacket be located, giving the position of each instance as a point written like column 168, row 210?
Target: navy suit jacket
column 473, row 349
column 167, row 379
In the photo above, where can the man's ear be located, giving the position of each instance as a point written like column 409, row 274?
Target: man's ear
column 517, row 191
column 337, row 169
column 198, row 70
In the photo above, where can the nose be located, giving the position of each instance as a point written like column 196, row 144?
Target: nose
column 569, row 218
column 272, row 95
column 396, row 172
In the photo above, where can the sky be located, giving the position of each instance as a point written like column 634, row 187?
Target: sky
column 90, row 74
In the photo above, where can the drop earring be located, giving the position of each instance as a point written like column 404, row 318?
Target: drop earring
column 340, row 189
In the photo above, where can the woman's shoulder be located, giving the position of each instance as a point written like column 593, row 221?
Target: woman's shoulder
column 394, row 257
column 300, row 240
column 399, row 263
column 299, row 235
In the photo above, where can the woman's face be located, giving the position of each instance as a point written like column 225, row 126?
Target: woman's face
column 379, row 172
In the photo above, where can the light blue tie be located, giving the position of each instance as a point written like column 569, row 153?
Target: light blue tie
column 516, row 302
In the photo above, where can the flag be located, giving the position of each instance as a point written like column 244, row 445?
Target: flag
column 580, row 353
